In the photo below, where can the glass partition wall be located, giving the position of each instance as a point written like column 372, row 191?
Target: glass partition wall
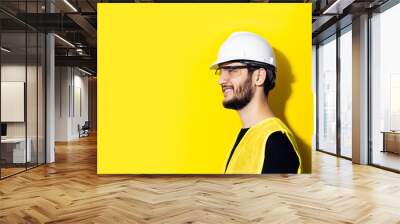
column 22, row 88
column 327, row 95
column 385, row 89
column 345, row 92
column 13, row 110
column 334, row 93
column 334, row 99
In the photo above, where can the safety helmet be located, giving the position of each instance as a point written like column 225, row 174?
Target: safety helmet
column 245, row 46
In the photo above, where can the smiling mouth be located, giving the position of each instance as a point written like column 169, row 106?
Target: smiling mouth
column 227, row 89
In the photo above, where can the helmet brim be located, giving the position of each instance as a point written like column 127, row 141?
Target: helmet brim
column 217, row 63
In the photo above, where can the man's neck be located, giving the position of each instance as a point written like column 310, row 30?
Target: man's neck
column 255, row 112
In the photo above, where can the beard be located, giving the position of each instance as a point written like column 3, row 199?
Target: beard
column 242, row 96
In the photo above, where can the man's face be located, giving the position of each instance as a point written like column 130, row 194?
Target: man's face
column 236, row 85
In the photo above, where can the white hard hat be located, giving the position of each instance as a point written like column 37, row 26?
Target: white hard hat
column 245, row 46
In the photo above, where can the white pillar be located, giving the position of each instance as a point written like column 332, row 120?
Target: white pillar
column 50, row 99
column 360, row 90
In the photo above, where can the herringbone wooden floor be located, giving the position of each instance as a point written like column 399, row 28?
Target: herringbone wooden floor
column 69, row 191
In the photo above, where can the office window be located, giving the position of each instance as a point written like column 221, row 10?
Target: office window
column 327, row 95
column 346, row 92
column 385, row 88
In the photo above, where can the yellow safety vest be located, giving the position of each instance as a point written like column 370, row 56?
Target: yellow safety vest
column 248, row 157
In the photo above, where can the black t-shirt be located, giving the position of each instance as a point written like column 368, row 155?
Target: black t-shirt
column 280, row 156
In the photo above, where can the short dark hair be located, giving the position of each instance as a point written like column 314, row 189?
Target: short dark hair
column 269, row 83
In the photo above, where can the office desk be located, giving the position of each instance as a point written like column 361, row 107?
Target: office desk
column 15, row 148
column 391, row 141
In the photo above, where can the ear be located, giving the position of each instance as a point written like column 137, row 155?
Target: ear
column 260, row 77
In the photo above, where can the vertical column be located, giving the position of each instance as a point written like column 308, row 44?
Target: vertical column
column 338, row 91
column 360, row 90
column 50, row 92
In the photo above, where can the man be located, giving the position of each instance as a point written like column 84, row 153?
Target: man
column 246, row 66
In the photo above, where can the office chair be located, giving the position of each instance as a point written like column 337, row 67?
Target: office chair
column 84, row 130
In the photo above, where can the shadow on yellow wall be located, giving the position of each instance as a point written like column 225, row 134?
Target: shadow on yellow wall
column 278, row 99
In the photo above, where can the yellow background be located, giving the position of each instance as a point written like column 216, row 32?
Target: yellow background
column 160, row 107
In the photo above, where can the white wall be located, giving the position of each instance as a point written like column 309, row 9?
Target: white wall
column 62, row 81
column 71, row 94
column 81, row 103
column 16, row 72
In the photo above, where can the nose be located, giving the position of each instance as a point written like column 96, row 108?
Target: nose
column 222, row 78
